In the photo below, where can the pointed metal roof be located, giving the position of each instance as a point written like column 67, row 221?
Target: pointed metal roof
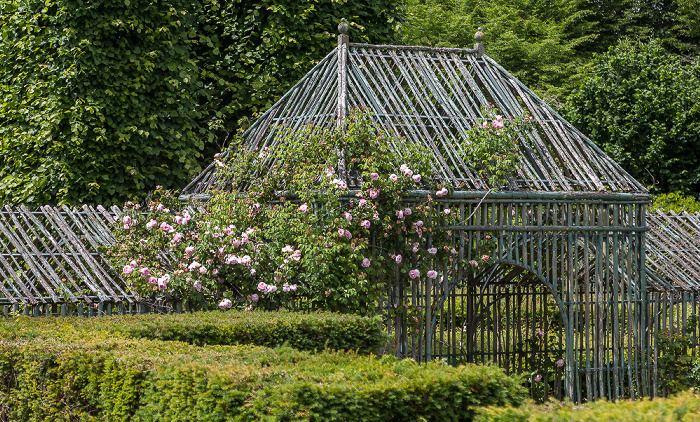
column 432, row 96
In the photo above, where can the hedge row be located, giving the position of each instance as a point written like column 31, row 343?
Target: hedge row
column 310, row 332
column 89, row 377
column 683, row 407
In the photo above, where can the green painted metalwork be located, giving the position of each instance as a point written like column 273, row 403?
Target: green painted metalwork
column 581, row 272
column 570, row 279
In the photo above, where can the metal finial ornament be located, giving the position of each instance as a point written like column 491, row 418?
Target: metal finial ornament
column 343, row 27
column 479, row 37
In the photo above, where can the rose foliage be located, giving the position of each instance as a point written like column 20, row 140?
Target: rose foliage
column 290, row 233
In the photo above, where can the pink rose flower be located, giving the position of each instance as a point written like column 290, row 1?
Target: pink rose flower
column 366, row 224
column 432, row 274
column 498, row 123
column 473, row 263
column 151, row 224
column 225, row 304
column 432, row 251
column 133, row 264
column 414, row 273
column 374, row 176
column 393, row 177
column 304, row 208
column 363, row 202
column 126, row 220
column 153, row 280
column 407, row 211
column 419, row 223
column 189, row 250
column 398, row 259
column 416, row 178
column 262, row 286
column 348, row 216
column 197, row 285
column 145, row 272
column 447, row 211
column 128, row 269
column 255, row 297
column 366, row 262
column 373, row 193
column 202, row 270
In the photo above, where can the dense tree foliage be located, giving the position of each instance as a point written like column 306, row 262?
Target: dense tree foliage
column 642, row 105
column 101, row 101
column 550, row 45
column 535, row 40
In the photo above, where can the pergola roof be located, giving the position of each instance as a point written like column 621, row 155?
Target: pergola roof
column 673, row 251
column 432, row 96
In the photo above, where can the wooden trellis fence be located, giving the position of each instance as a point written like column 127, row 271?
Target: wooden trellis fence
column 50, row 264
column 673, row 274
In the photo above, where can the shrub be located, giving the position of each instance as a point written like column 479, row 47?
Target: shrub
column 641, row 105
column 683, row 407
column 295, row 235
column 72, row 375
column 676, row 202
column 310, row 332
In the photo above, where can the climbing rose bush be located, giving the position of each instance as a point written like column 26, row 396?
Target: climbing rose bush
column 289, row 231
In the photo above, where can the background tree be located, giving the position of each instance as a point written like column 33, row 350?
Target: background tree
column 535, row 40
column 102, row 101
column 642, row 105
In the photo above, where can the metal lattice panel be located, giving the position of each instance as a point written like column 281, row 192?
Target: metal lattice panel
column 673, row 251
column 51, row 255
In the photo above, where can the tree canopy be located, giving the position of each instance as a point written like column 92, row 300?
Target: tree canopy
column 102, row 101
column 642, row 105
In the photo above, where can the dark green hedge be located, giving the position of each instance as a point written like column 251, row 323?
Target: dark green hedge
column 103, row 100
column 98, row 376
column 310, row 332
column 683, row 407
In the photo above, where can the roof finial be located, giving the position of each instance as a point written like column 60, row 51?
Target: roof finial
column 343, row 29
column 479, row 37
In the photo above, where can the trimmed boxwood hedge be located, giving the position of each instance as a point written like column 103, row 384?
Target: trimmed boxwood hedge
column 63, row 369
column 315, row 331
column 683, row 407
